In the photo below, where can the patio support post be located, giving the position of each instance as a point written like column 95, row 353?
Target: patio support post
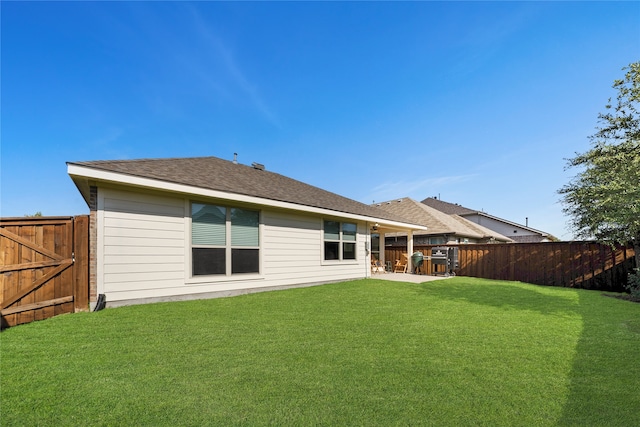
column 410, row 250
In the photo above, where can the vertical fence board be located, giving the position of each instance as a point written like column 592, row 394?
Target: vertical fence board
column 25, row 276
column 46, row 291
column 60, row 234
column 555, row 266
column 28, row 276
column 564, row 269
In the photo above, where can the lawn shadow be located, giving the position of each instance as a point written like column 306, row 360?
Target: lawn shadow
column 604, row 387
column 508, row 296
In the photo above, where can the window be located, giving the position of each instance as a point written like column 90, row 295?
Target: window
column 224, row 240
column 375, row 246
column 245, row 255
column 339, row 240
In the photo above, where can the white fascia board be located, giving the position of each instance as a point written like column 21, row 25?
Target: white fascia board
column 385, row 223
column 136, row 181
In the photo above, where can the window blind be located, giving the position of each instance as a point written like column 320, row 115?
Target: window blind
column 348, row 231
column 331, row 230
column 208, row 225
column 244, row 227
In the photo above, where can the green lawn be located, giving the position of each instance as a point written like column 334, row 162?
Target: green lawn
column 454, row 352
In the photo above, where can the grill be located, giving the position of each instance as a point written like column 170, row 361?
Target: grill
column 445, row 256
column 416, row 260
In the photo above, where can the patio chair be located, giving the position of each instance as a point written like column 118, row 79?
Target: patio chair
column 377, row 267
column 401, row 265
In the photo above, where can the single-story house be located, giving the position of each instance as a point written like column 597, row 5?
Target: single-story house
column 187, row 228
column 517, row 232
column 442, row 228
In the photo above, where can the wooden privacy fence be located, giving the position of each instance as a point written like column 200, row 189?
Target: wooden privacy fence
column 44, row 267
column 586, row 265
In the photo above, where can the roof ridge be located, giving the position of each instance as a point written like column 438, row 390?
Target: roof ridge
column 447, row 207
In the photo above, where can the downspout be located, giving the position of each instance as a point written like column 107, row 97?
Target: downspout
column 367, row 251
column 101, row 303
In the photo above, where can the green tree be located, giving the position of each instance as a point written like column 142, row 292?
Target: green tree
column 603, row 199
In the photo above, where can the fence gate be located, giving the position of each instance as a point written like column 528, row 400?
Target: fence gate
column 43, row 267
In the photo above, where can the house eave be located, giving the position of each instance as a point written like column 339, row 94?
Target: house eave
column 84, row 177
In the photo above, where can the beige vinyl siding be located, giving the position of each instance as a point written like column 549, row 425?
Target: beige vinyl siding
column 145, row 250
column 143, row 241
column 293, row 251
column 292, row 246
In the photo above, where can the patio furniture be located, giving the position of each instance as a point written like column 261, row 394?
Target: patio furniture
column 389, row 266
column 377, row 267
column 401, row 265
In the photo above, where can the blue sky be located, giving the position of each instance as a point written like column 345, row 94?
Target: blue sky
column 477, row 102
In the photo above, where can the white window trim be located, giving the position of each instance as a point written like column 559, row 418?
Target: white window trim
column 339, row 261
column 190, row 279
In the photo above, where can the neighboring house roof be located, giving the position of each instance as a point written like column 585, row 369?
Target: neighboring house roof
column 212, row 173
column 439, row 223
column 454, row 208
column 446, row 207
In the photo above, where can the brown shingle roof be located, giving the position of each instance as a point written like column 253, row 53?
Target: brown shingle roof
column 446, row 207
column 222, row 175
column 439, row 222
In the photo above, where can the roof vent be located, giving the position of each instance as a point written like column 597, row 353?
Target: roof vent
column 258, row 166
column 235, row 158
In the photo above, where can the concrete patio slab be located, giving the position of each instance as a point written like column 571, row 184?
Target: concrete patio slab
column 407, row 277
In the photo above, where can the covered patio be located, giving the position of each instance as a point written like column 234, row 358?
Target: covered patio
column 377, row 232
